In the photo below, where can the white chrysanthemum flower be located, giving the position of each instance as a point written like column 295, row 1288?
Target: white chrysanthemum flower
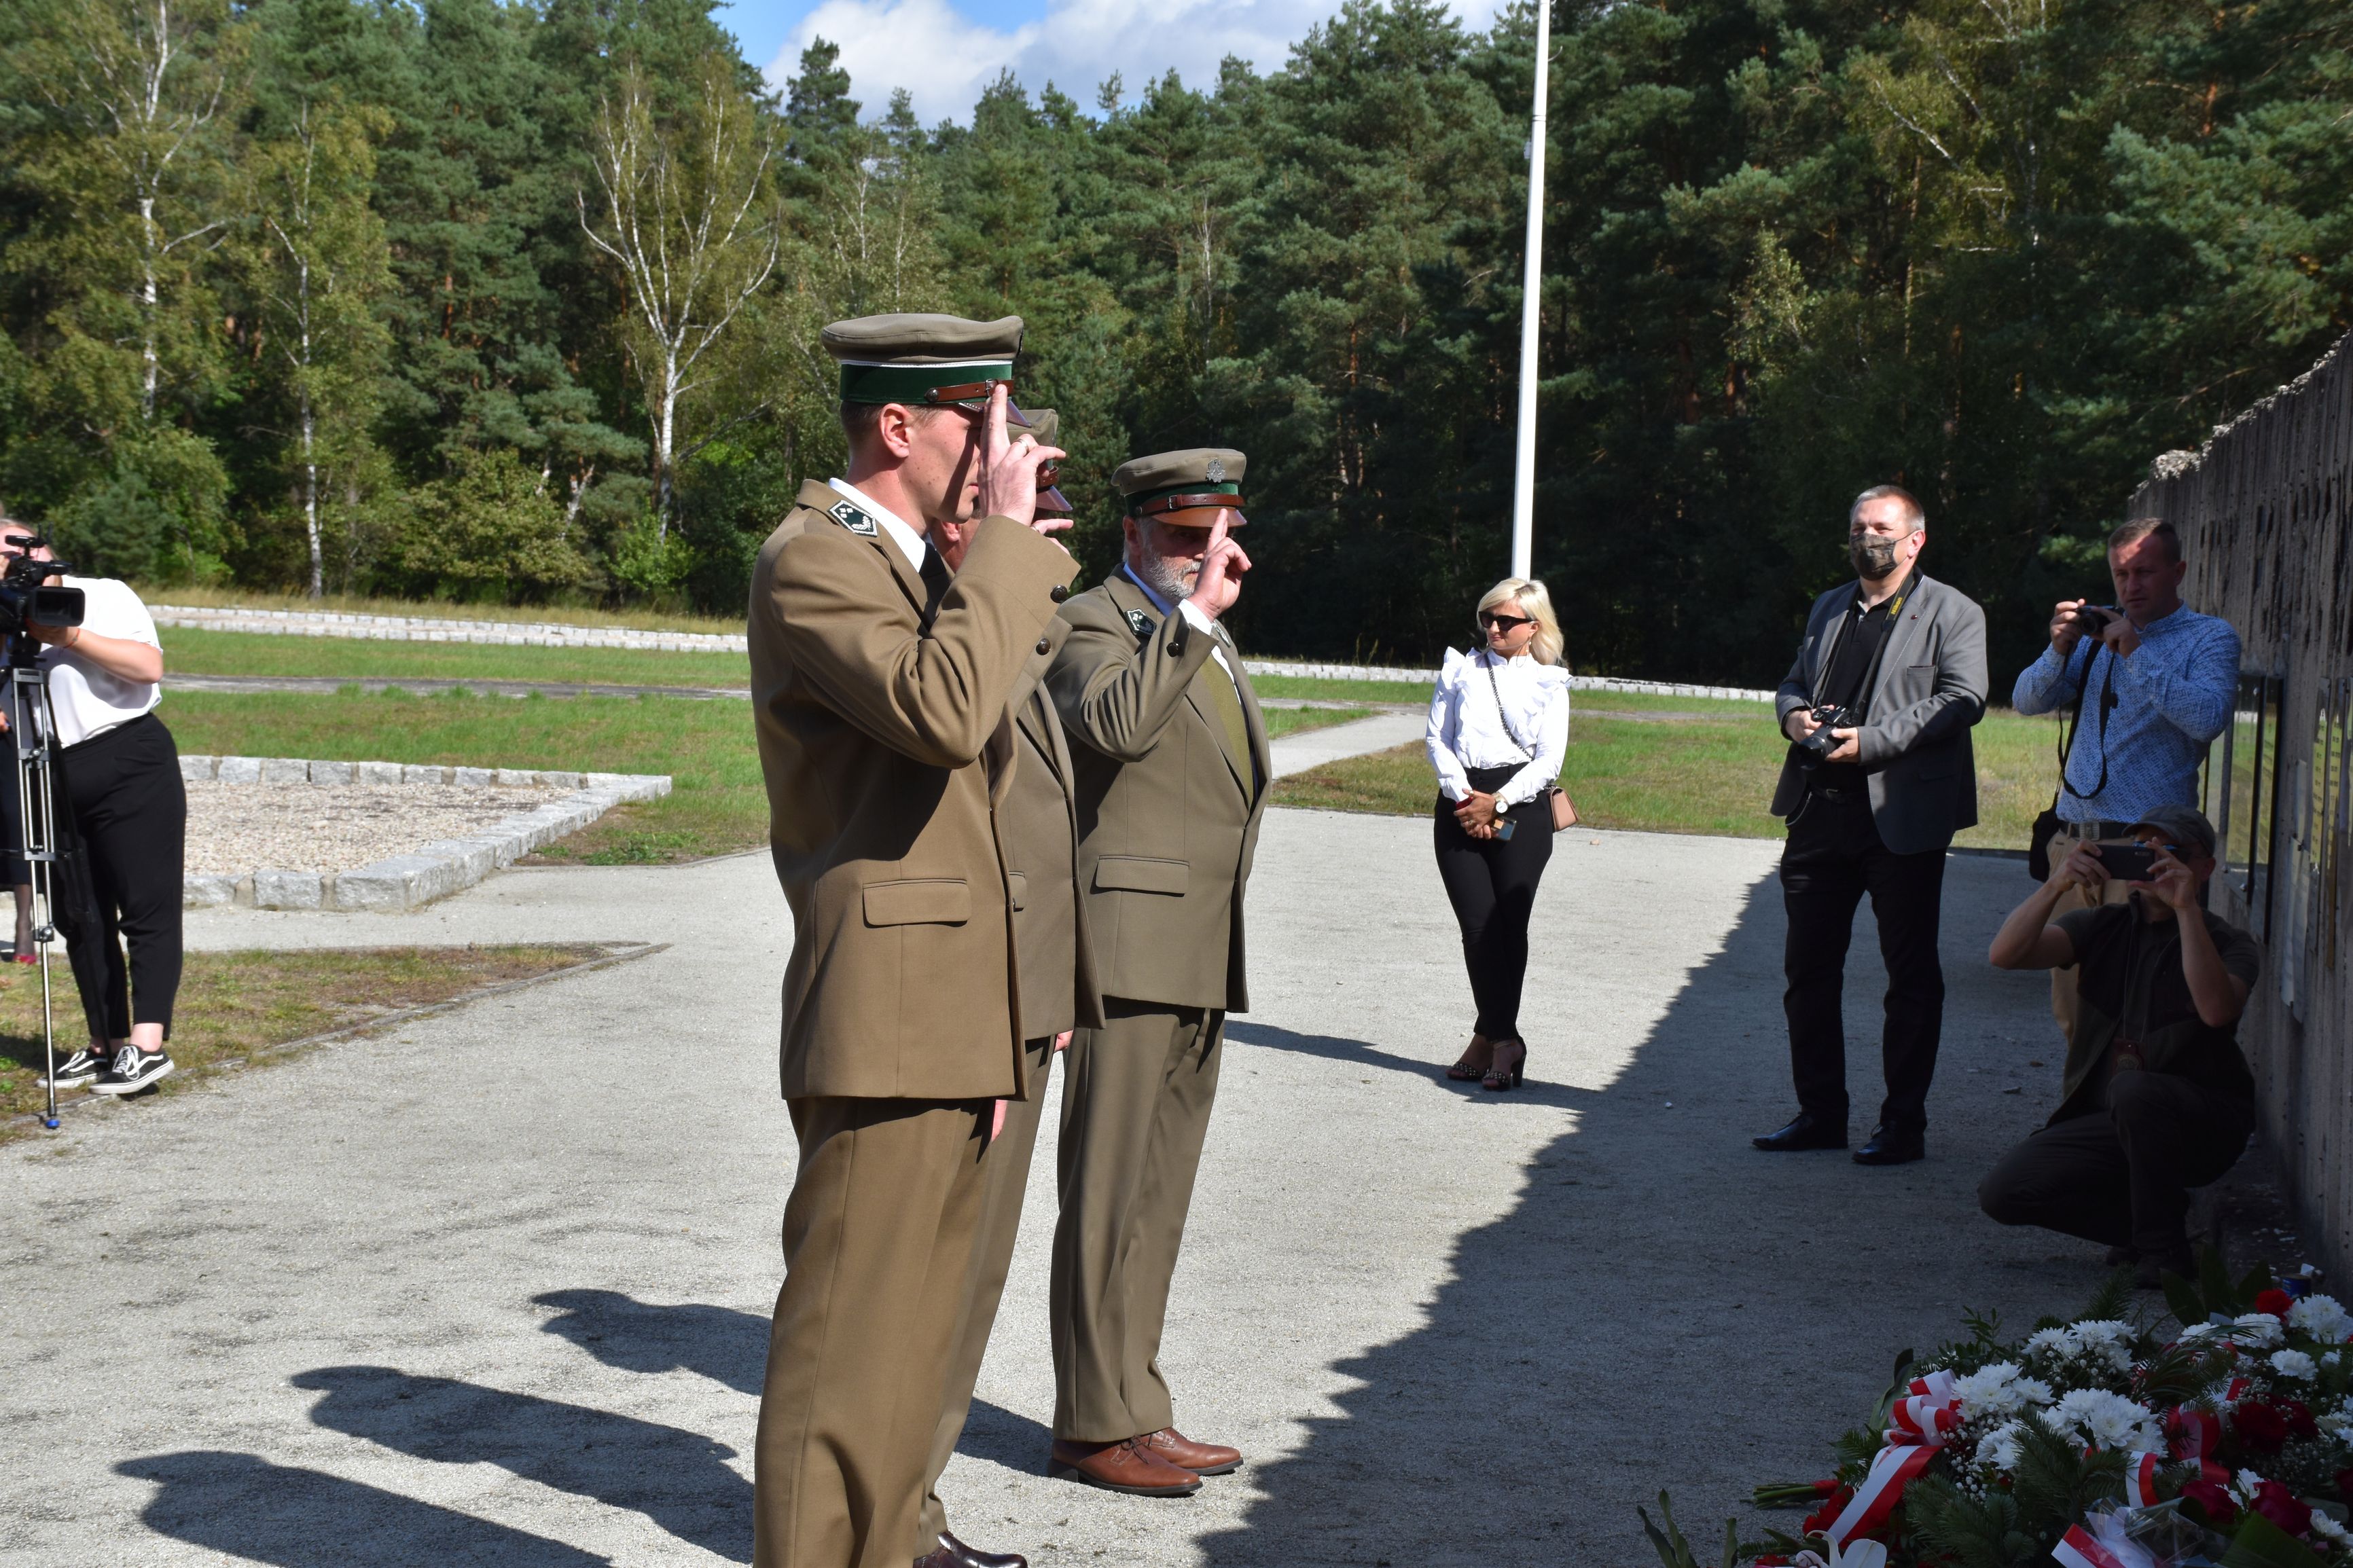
column 2295, row 1364
column 2244, row 1484
column 1999, row 1448
column 2330, row 1358
column 2108, row 1421
column 2052, row 1342
column 1999, row 1390
column 2105, row 1337
column 2204, row 1330
column 2259, row 1329
column 2330, row 1529
column 2323, row 1319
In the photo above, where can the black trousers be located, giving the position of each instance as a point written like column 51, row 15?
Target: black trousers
column 2122, row 1176
column 132, row 810
column 1834, row 856
column 1492, row 883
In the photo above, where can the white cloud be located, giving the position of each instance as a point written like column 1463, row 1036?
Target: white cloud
column 944, row 58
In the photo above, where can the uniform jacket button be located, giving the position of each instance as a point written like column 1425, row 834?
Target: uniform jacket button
column 1045, row 644
column 1059, row 592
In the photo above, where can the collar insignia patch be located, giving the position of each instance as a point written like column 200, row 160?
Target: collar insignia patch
column 1139, row 623
column 850, row 516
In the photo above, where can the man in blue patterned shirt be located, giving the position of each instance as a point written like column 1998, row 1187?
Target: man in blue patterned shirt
column 2153, row 681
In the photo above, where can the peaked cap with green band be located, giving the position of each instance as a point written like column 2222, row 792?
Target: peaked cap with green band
column 1180, row 481
column 911, row 357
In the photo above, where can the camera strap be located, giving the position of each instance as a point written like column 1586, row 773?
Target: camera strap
column 2107, row 700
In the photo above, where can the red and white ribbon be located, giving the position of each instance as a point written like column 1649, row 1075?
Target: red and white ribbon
column 1920, row 1425
column 2192, row 1433
column 2079, row 1548
column 2140, row 1481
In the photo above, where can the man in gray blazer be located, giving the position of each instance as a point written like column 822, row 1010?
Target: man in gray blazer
column 1880, row 775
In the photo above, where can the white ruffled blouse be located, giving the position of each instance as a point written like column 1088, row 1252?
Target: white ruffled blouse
column 1466, row 731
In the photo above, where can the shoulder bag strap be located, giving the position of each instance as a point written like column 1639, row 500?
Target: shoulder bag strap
column 1496, row 687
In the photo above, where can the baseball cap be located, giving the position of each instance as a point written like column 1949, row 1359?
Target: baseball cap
column 2185, row 824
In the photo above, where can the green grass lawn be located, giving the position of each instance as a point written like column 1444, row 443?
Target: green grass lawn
column 1713, row 774
column 195, row 652
column 234, row 1005
column 440, row 609
column 716, row 805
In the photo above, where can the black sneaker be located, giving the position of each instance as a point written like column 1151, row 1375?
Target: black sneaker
column 133, row 1070
column 73, row 1071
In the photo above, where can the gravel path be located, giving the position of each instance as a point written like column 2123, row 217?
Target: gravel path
column 234, row 828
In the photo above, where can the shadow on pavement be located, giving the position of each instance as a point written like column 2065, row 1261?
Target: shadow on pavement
column 722, row 1344
column 1356, row 1053
column 255, row 1511
column 731, row 1347
column 1661, row 1306
column 677, row 1479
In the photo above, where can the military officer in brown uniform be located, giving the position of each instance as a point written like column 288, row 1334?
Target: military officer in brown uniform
column 1171, row 759
column 881, row 693
column 1038, row 822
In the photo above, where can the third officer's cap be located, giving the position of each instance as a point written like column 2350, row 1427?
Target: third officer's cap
column 1169, row 482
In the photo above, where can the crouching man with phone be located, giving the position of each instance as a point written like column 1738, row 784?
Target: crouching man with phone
column 2157, row 1098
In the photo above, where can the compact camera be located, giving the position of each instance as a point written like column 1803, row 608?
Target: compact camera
column 1819, row 745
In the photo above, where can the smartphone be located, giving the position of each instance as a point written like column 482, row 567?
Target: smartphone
column 1506, row 828
column 2126, row 862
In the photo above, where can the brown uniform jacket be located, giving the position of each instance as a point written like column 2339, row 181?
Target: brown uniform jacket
column 886, row 749
column 1039, row 821
column 1168, row 816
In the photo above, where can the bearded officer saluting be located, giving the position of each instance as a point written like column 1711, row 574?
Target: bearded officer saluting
column 1038, row 821
column 1171, row 761
column 880, row 691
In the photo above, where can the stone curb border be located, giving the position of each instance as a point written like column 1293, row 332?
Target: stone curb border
column 434, row 628
column 1311, row 671
column 431, row 871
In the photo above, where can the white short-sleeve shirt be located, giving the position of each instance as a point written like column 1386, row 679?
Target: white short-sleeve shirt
column 89, row 700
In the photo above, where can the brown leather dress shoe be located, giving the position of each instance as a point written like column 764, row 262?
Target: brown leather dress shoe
column 942, row 1558
column 1201, row 1458
column 973, row 1557
column 1127, row 1467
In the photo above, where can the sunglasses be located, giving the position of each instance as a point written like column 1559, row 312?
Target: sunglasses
column 1490, row 621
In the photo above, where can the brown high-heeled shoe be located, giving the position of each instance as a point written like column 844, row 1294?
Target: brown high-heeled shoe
column 1477, row 1057
column 1505, row 1071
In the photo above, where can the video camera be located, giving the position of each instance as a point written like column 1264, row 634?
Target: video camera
column 25, row 595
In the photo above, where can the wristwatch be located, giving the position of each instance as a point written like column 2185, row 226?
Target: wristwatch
column 1501, row 805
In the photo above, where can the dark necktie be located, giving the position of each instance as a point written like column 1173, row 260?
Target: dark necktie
column 936, row 576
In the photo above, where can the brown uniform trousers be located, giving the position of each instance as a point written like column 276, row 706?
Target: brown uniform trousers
column 886, row 747
column 1172, row 766
column 1039, row 821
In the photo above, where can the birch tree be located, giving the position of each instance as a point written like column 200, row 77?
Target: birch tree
column 686, row 214
column 320, row 266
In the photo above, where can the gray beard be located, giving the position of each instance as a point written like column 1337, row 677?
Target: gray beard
column 1161, row 575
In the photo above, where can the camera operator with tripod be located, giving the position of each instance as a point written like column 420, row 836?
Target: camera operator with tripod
column 116, row 782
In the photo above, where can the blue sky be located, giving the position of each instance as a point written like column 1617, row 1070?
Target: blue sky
column 946, row 51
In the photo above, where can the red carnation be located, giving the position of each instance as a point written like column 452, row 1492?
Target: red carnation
column 1823, row 1518
column 2259, row 1427
column 1827, row 1485
column 2298, row 1416
column 2211, row 1496
column 2345, row 1484
column 2279, row 1505
column 2276, row 1301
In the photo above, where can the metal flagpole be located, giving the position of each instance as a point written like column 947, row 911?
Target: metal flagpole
column 1523, row 468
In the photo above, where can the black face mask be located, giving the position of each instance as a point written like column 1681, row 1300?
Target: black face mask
column 1873, row 557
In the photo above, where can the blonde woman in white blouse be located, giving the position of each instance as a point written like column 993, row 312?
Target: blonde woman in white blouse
column 1498, row 727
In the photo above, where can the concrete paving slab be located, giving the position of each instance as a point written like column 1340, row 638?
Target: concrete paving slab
column 1314, row 747
column 492, row 1287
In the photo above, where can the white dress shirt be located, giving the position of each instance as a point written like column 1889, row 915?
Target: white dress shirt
column 1466, row 731
column 911, row 545
column 87, row 698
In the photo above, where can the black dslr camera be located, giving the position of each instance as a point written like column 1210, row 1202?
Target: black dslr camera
column 1820, row 743
column 26, row 595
